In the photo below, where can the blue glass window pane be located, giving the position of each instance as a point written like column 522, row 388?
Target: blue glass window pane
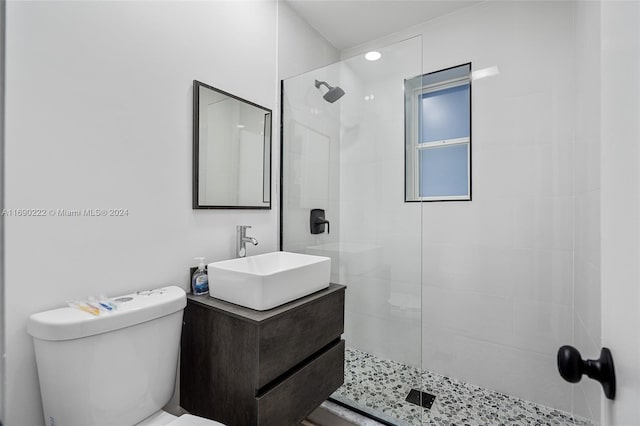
column 445, row 114
column 444, row 170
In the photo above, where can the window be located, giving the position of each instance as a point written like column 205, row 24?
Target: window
column 438, row 135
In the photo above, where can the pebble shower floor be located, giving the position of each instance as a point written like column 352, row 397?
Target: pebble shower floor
column 381, row 386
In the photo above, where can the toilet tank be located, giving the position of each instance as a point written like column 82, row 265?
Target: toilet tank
column 114, row 369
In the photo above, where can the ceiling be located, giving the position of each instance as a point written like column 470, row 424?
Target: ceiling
column 348, row 23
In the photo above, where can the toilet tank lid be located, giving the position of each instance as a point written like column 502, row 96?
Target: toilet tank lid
column 71, row 323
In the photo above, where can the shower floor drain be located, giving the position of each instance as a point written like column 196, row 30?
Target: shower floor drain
column 420, row 398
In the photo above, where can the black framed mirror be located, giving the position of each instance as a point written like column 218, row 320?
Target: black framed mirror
column 231, row 151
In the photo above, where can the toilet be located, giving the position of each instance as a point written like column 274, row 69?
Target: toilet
column 113, row 369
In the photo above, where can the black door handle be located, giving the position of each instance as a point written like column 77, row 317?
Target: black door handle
column 571, row 367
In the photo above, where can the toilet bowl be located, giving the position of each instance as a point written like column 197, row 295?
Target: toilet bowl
column 162, row 418
column 117, row 368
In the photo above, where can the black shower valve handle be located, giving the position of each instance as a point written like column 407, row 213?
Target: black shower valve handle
column 322, row 220
column 317, row 221
column 571, row 367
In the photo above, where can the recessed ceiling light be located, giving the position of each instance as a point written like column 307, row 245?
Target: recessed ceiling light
column 240, row 126
column 372, row 56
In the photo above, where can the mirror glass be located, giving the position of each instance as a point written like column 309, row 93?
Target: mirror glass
column 232, row 151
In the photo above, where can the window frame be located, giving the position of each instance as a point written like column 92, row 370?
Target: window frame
column 412, row 150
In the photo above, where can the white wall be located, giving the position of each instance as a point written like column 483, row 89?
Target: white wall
column 2, row 176
column 300, row 47
column 498, row 271
column 620, row 180
column 99, row 116
column 586, row 318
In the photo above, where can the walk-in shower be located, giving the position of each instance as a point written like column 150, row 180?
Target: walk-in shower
column 465, row 300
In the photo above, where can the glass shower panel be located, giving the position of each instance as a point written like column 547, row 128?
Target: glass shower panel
column 347, row 157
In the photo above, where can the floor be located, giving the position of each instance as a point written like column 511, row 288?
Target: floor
column 380, row 386
column 331, row 414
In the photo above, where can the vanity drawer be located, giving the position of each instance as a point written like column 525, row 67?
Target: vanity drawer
column 285, row 340
column 289, row 402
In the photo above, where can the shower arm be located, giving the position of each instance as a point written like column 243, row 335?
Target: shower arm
column 320, row 83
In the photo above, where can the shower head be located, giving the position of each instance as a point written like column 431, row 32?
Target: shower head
column 333, row 94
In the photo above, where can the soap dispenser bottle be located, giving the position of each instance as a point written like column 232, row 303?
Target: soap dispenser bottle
column 200, row 279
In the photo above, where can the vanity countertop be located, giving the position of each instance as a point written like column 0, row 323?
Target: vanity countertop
column 254, row 316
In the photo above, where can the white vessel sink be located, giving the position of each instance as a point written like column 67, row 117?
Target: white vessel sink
column 268, row 280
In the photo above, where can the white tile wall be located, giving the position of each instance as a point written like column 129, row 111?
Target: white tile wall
column 497, row 276
column 310, row 161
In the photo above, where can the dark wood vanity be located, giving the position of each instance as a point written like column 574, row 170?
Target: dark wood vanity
column 244, row 367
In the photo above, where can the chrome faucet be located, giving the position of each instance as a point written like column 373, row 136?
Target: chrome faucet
column 242, row 240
